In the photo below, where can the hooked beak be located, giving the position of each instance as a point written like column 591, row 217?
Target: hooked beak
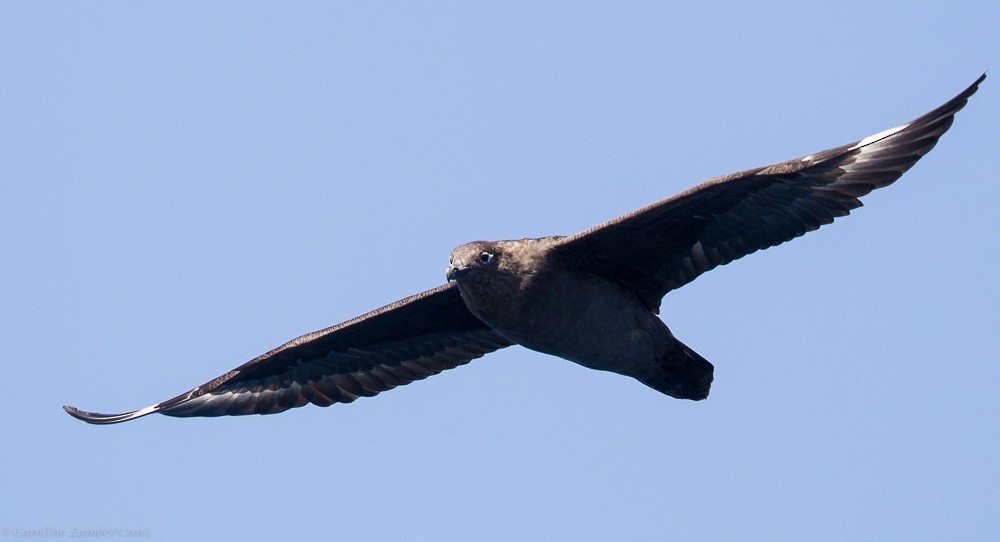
column 455, row 271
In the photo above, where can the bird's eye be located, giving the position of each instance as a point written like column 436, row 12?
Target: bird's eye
column 485, row 257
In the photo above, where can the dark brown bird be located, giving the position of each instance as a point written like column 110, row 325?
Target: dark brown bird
column 592, row 298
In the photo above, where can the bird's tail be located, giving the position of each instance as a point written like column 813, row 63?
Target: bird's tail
column 682, row 374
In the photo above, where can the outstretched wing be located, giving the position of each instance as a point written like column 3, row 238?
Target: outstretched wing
column 408, row 340
column 668, row 244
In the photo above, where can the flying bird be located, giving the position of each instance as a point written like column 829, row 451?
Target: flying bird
column 592, row 298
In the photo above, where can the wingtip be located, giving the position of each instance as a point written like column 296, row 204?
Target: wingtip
column 965, row 94
column 971, row 89
column 105, row 419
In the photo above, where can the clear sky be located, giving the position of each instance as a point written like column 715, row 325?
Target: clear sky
column 187, row 185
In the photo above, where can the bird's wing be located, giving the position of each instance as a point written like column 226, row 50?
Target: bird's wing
column 408, row 340
column 668, row 244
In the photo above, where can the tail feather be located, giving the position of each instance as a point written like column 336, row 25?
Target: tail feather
column 682, row 374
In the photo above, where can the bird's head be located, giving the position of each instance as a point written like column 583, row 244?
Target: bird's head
column 473, row 258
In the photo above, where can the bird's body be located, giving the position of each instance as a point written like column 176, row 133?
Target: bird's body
column 592, row 298
column 528, row 294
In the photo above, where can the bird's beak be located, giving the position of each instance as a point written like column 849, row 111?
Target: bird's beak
column 455, row 271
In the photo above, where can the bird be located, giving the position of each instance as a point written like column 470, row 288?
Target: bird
column 592, row 298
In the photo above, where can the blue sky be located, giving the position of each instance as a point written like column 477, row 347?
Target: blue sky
column 187, row 185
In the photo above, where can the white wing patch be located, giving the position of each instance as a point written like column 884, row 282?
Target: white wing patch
column 879, row 136
column 144, row 411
